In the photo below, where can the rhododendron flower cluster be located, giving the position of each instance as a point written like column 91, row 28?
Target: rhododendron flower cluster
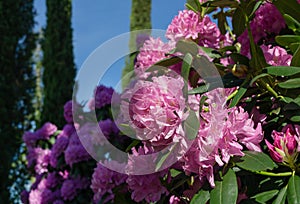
column 184, row 136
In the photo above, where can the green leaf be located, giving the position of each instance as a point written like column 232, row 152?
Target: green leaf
column 291, row 22
column 239, row 59
column 290, row 7
column 210, row 52
column 280, row 199
column 191, row 125
column 238, row 22
column 265, row 196
column 293, row 195
column 185, row 46
column 226, row 191
column 286, row 40
column 222, row 22
column 255, row 7
column 282, row 70
column 240, row 93
column 293, row 100
column 258, row 77
column 185, row 71
column 186, row 66
column 190, row 7
column 296, row 58
column 167, row 62
column 290, row 84
column 163, row 157
column 295, row 118
column 256, row 161
column 200, row 198
column 258, row 60
column 224, row 3
column 294, row 47
column 198, row 90
column 174, row 172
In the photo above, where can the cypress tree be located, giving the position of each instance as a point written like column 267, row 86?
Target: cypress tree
column 58, row 62
column 17, row 42
column 140, row 19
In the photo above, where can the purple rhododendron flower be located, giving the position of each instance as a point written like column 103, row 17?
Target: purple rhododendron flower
column 25, row 197
column 267, row 20
column 42, row 160
column 105, row 180
column 71, row 186
column 46, row 130
column 43, row 195
column 68, row 115
column 146, row 187
column 103, row 96
column 75, row 152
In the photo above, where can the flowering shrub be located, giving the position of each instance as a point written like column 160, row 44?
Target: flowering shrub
column 186, row 138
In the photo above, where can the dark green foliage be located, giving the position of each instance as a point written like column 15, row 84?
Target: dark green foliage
column 17, row 42
column 140, row 19
column 58, row 62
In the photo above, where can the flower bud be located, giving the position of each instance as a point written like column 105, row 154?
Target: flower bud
column 284, row 148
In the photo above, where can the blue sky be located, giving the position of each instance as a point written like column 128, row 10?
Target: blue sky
column 96, row 21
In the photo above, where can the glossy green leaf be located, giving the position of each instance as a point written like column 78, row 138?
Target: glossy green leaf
column 290, row 7
column 163, row 157
column 290, row 84
column 191, row 125
column 265, row 196
column 280, row 199
column 210, row 52
column 198, row 90
column 174, row 172
column 168, row 62
column 224, row 3
column 286, row 40
column 238, row 96
column 296, row 58
column 295, row 118
column 191, row 7
column 238, row 22
column 291, row 22
column 185, row 71
column 185, row 46
column 293, row 191
column 258, row 77
column 256, row 161
column 226, row 191
column 294, row 47
column 200, row 198
column 282, row 70
column 258, row 60
column 239, row 59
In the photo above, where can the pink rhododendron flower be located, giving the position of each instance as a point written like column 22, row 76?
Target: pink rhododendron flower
column 276, row 56
column 151, row 52
column 284, row 148
column 189, row 25
column 155, row 109
column 220, row 134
